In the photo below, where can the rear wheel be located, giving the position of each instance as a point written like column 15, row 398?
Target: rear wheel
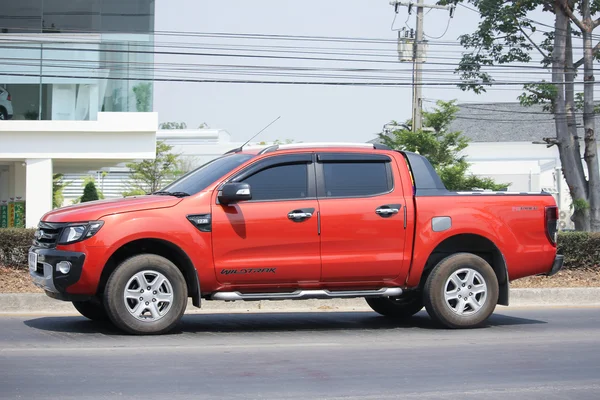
column 3, row 114
column 146, row 294
column 397, row 307
column 461, row 291
column 91, row 309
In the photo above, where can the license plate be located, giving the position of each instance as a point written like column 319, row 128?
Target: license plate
column 33, row 260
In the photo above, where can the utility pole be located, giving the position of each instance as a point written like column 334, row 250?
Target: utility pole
column 418, row 56
column 418, row 72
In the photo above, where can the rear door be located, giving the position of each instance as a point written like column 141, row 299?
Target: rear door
column 362, row 217
column 274, row 237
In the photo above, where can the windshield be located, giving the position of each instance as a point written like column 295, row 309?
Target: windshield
column 199, row 179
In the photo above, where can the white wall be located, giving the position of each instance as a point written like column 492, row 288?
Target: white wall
column 198, row 145
column 20, row 179
column 31, row 149
column 123, row 136
column 38, row 197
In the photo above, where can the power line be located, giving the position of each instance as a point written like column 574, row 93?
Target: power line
column 47, row 62
column 498, row 110
column 204, row 80
column 152, row 43
column 237, row 55
column 469, row 8
column 443, row 34
column 527, row 19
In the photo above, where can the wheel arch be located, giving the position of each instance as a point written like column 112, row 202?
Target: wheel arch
column 160, row 247
column 474, row 244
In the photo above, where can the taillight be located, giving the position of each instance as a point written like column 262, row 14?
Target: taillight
column 8, row 97
column 552, row 223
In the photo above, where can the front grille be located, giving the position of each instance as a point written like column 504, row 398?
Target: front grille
column 47, row 234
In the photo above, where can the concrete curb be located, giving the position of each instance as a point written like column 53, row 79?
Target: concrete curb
column 39, row 303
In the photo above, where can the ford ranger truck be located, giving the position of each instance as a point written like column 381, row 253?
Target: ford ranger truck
column 300, row 221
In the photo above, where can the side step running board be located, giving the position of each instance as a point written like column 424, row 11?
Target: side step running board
column 307, row 294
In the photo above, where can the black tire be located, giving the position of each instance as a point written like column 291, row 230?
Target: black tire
column 438, row 283
column 91, row 309
column 118, row 309
column 3, row 114
column 396, row 307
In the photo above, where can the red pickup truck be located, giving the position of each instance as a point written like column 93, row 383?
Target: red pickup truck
column 297, row 222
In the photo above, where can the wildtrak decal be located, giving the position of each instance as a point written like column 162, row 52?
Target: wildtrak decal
column 248, row 271
column 525, row 208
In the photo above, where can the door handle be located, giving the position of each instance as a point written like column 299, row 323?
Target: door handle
column 388, row 210
column 301, row 215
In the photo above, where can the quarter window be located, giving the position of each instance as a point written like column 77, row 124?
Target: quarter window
column 281, row 182
column 356, row 179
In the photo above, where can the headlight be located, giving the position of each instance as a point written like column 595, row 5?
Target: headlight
column 77, row 232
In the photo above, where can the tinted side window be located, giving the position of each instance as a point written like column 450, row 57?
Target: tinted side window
column 280, row 182
column 354, row 179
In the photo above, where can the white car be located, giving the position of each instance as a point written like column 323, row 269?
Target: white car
column 6, row 108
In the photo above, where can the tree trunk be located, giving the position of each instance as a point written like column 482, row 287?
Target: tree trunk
column 590, row 154
column 580, row 215
column 569, row 158
column 570, row 73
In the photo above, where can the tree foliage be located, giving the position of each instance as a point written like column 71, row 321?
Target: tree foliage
column 143, row 96
column 90, row 193
column 276, row 142
column 172, row 125
column 442, row 148
column 148, row 176
column 58, row 184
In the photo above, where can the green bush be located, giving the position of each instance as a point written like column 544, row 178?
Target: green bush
column 581, row 249
column 90, row 193
column 14, row 246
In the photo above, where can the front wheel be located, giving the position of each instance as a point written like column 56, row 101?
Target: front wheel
column 146, row 294
column 461, row 291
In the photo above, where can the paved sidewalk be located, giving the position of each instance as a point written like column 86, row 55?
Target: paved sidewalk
column 36, row 303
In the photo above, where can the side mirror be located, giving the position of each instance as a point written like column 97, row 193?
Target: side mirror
column 233, row 192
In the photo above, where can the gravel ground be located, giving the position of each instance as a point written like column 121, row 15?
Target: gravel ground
column 582, row 277
column 13, row 280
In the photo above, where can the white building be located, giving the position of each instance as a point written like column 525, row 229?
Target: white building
column 73, row 102
column 31, row 151
column 195, row 147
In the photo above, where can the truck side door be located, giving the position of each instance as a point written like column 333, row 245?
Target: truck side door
column 362, row 217
column 273, row 238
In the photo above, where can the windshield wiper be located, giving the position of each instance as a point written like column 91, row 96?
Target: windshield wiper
column 167, row 193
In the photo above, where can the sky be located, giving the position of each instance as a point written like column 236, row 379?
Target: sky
column 308, row 113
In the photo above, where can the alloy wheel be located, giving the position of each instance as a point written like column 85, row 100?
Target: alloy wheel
column 465, row 291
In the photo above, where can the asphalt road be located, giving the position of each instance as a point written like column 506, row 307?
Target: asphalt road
column 551, row 353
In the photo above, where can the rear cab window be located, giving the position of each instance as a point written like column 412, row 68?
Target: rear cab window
column 354, row 175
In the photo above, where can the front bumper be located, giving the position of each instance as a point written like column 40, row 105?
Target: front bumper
column 557, row 266
column 46, row 275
